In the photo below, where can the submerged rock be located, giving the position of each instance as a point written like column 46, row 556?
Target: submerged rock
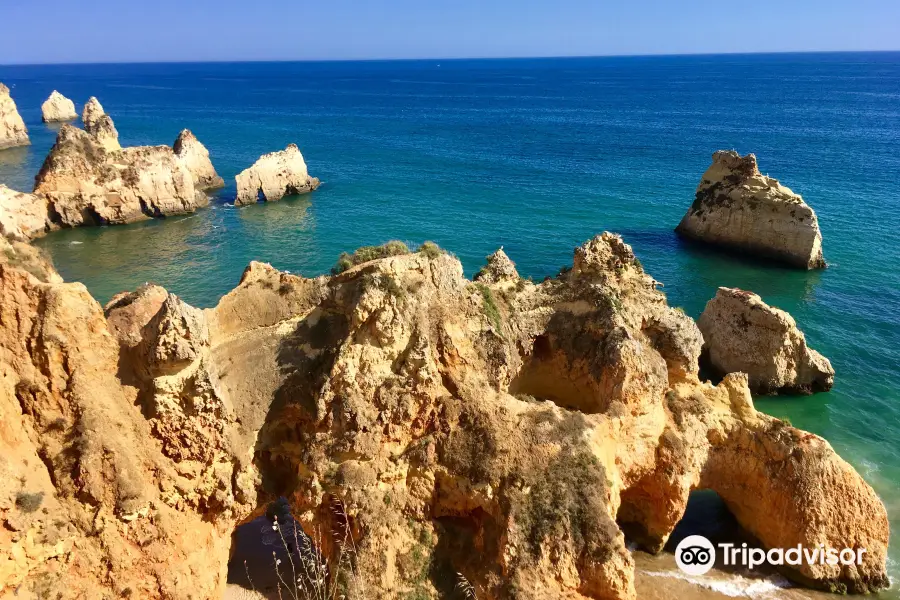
column 744, row 334
column 22, row 216
column 274, row 176
column 58, row 108
column 195, row 157
column 89, row 182
column 739, row 208
column 100, row 125
column 437, row 426
column 12, row 128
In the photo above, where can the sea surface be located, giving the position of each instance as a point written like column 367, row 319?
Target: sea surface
column 536, row 156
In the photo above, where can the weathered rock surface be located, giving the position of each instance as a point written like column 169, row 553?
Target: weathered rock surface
column 739, row 208
column 274, row 176
column 88, row 181
column 744, row 334
column 195, row 157
column 22, row 216
column 499, row 268
column 433, row 426
column 12, row 128
column 58, row 108
column 100, row 125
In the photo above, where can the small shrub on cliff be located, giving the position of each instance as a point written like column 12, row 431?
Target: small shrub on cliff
column 431, row 250
column 491, row 311
column 367, row 253
column 29, row 502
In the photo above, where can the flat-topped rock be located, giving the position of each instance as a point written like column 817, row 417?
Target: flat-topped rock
column 12, row 128
column 88, row 183
column 58, row 108
column 195, row 157
column 100, row 125
column 274, row 176
column 744, row 334
column 22, row 216
column 739, row 208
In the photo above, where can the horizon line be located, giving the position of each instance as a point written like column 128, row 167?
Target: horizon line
column 447, row 58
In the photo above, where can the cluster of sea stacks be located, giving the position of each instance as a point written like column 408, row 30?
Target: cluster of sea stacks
column 427, row 430
column 90, row 179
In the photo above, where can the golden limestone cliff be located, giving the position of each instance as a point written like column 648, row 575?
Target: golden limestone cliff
column 500, row 429
column 12, row 128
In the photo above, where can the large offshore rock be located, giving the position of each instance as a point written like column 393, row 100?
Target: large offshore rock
column 739, row 208
column 744, row 334
column 274, row 176
column 195, row 157
column 432, row 425
column 22, row 216
column 89, row 182
column 12, row 128
column 58, row 108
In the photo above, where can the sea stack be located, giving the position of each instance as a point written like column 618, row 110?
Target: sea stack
column 739, row 208
column 100, row 125
column 195, row 157
column 742, row 333
column 58, row 108
column 12, row 128
column 274, row 176
column 89, row 180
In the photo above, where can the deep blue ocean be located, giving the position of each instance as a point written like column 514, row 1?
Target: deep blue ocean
column 536, row 156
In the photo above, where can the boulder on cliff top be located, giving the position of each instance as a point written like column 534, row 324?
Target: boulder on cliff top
column 499, row 433
column 498, row 268
column 22, row 216
column 744, row 334
column 739, row 208
column 88, row 182
column 274, row 176
column 12, row 128
column 58, row 108
column 195, row 156
column 100, row 125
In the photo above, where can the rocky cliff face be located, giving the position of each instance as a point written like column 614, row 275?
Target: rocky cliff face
column 744, row 334
column 274, row 176
column 739, row 208
column 100, row 125
column 58, row 108
column 506, row 431
column 88, row 180
column 195, row 157
column 22, row 216
column 12, row 128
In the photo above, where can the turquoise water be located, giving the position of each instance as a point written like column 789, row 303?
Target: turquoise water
column 536, row 156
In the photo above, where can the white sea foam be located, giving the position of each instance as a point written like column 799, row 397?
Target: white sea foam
column 75, row 242
column 735, row 586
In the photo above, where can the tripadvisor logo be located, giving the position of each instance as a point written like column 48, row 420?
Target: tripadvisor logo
column 696, row 555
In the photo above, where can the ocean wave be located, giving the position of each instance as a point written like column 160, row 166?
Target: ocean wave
column 75, row 242
column 735, row 586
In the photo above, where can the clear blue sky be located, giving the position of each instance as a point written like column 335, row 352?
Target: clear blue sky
column 181, row 30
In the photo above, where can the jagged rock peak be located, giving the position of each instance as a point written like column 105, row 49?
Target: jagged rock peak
column 58, row 108
column 737, row 207
column 12, row 128
column 743, row 333
column 195, row 156
column 499, row 268
column 274, row 176
column 100, row 125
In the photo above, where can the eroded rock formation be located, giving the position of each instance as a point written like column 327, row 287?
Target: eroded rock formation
column 744, row 334
column 195, row 156
column 22, row 216
column 58, row 108
column 12, row 128
column 100, row 125
column 499, row 268
column 503, row 432
column 739, row 208
column 274, row 176
column 88, row 180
